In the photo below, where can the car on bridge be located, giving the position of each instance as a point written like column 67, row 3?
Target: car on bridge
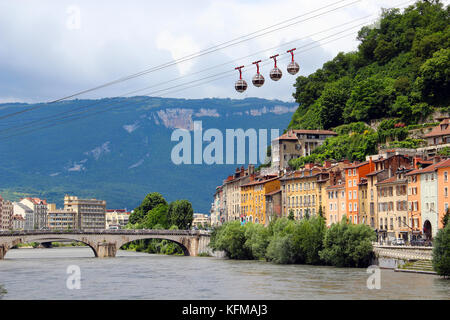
column 398, row 242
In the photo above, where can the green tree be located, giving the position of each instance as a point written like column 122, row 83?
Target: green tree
column 291, row 215
column 348, row 245
column 434, row 78
column 441, row 252
column 230, row 238
column 181, row 214
column 157, row 216
column 446, row 217
column 257, row 239
column 150, row 201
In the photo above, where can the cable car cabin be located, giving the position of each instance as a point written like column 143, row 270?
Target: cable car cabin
column 258, row 80
column 240, row 85
column 276, row 74
column 293, row 67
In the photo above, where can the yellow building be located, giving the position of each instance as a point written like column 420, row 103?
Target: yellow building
column 253, row 198
column 300, row 192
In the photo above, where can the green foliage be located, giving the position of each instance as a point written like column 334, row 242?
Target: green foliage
column 446, row 218
column 158, row 216
column 257, row 240
column 441, row 252
column 348, row 245
column 230, row 238
column 181, row 214
column 150, row 201
column 291, row 215
column 434, row 77
column 401, row 69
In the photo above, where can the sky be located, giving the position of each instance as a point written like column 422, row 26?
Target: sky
column 52, row 49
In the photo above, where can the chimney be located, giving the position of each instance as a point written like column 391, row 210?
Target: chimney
column 436, row 159
column 327, row 164
column 346, row 161
column 251, row 169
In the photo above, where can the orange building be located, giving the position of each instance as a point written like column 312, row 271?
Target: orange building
column 353, row 174
column 443, row 171
column 253, row 198
column 414, row 204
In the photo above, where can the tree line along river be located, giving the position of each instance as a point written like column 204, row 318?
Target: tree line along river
column 42, row 274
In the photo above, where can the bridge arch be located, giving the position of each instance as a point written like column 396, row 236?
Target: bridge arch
column 180, row 242
column 15, row 242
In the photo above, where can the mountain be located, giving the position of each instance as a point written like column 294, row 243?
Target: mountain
column 119, row 149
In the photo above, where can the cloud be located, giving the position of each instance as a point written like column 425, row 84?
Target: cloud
column 48, row 53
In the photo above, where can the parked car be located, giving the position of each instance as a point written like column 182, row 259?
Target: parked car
column 418, row 242
column 398, row 242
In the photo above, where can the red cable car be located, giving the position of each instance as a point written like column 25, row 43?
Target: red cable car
column 275, row 73
column 292, row 67
column 258, row 79
column 241, row 84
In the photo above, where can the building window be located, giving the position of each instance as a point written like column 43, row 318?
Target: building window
column 355, row 207
column 350, row 207
column 349, row 183
column 354, row 172
column 350, row 195
column 445, row 176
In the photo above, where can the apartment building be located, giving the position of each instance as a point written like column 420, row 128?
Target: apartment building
column 39, row 207
column 90, row 214
column 6, row 214
column 354, row 173
column 393, row 206
column 232, row 192
column 253, row 198
column 296, row 143
column 26, row 213
column 117, row 218
column 61, row 219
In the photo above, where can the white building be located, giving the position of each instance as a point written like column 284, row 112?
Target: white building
column 39, row 208
column 26, row 213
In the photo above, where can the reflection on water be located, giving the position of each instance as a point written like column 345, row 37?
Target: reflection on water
column 41, row 274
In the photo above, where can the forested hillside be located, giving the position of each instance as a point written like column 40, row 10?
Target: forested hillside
column 400, row 71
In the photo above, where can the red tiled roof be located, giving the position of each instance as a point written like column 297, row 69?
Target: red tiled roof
column 437, row 131
column 259, row 182
column 441, row 164
column 356, row 165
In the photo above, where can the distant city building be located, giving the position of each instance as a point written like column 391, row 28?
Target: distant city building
column 39, row 208
column 90, row 214
column 18, row 222
column 201, row 219
column 61, row 219
column 26, row 213
column 6, row 214
column 117, row 218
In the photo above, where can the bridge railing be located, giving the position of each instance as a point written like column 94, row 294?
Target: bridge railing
column 107, row 231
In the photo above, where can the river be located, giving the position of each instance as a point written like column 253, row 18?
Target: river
column 41, row 274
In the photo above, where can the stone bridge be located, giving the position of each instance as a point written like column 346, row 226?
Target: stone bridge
column 105, row 243
column 403, row 252
column 392, row 257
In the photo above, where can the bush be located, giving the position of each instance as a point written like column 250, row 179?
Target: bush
column 348, row 245
column 230, row 238
column 441, row 252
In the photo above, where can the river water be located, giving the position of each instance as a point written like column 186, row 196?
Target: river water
column 42, row 274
